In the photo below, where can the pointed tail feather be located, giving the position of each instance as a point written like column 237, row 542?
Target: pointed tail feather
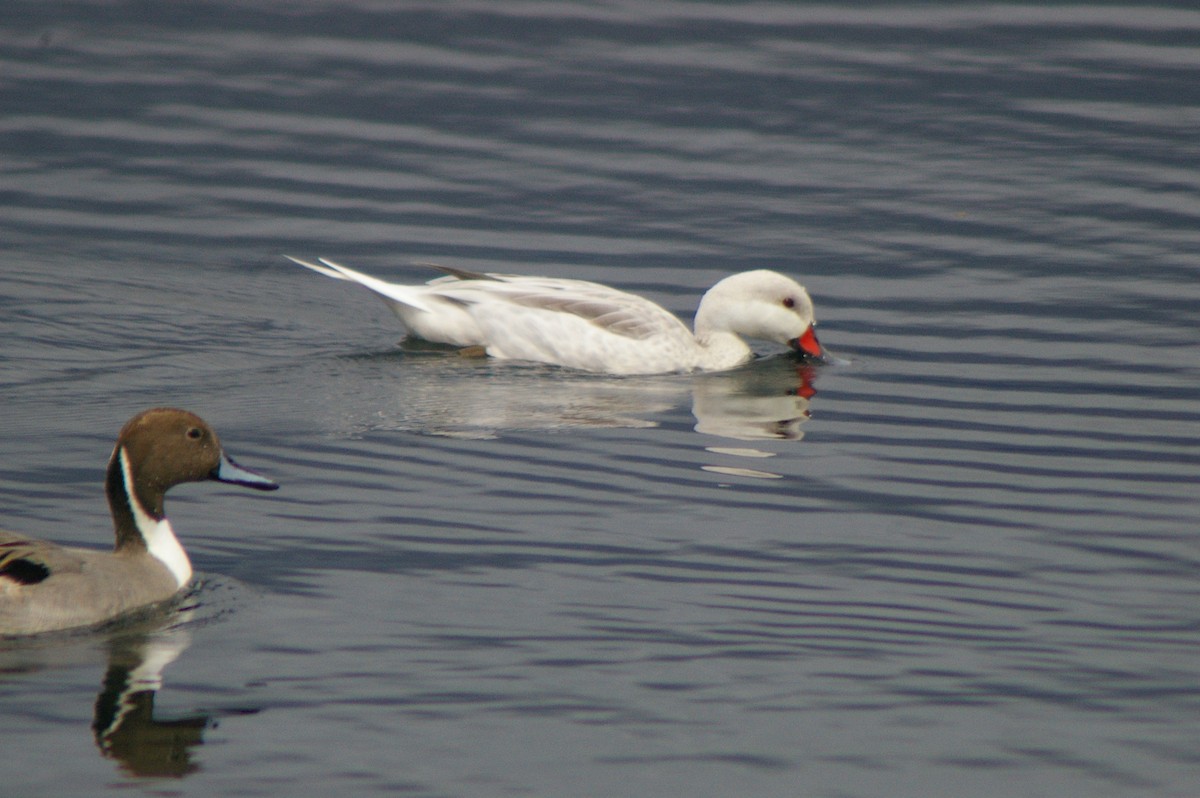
column 404, row 294
column 319, row 269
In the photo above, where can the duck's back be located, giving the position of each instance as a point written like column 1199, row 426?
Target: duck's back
column 46, row 587
column 573, row 323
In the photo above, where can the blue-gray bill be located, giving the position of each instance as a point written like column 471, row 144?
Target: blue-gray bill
column 234, row 474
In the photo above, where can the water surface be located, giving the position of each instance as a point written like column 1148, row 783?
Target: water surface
column 965, row 553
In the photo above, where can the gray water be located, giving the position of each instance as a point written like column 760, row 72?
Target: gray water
column 963, row 559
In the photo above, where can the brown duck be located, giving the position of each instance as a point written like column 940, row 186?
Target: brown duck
column 46, row 587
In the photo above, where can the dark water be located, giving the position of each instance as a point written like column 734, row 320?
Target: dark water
column 968, row 564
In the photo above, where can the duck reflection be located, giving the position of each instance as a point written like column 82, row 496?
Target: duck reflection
column 443, row 395
column 123, row 721
column 754, row 404
column 124, row 724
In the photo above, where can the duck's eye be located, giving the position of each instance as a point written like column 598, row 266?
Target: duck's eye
column 195, row 433
column 788, row 302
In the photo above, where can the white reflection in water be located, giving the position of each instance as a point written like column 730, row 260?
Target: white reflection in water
column 448, row 396
column 767, row 403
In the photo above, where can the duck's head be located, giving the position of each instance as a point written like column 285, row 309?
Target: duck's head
column 163, row 447
column 761, row 304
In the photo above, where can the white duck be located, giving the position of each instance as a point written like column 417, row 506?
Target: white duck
column 592, row 327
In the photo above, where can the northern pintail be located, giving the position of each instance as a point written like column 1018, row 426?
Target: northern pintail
column 46, row 587
column 593, row 327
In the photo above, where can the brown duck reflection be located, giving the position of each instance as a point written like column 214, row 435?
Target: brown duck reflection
column 123, row 722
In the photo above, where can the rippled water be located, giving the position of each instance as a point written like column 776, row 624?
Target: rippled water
column 963, row 559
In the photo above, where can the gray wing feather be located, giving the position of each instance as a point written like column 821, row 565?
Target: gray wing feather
column 610, row 316
column 24, row 560
column 461, row 274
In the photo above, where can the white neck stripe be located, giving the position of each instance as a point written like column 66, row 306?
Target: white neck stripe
column 159, row 537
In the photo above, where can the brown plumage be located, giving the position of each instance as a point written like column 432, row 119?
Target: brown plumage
column 46, row 587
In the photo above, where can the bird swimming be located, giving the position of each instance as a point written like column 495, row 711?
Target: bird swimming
column 592, row 327
column 47, row 587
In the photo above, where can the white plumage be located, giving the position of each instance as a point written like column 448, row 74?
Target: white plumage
column 592, row 327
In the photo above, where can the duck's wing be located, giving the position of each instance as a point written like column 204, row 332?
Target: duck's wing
column 458, row 274
column 612, row 311
column 480, row 295
column 25, row 561
column 618, row 318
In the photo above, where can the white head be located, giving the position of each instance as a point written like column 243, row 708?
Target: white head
column 760, row 304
